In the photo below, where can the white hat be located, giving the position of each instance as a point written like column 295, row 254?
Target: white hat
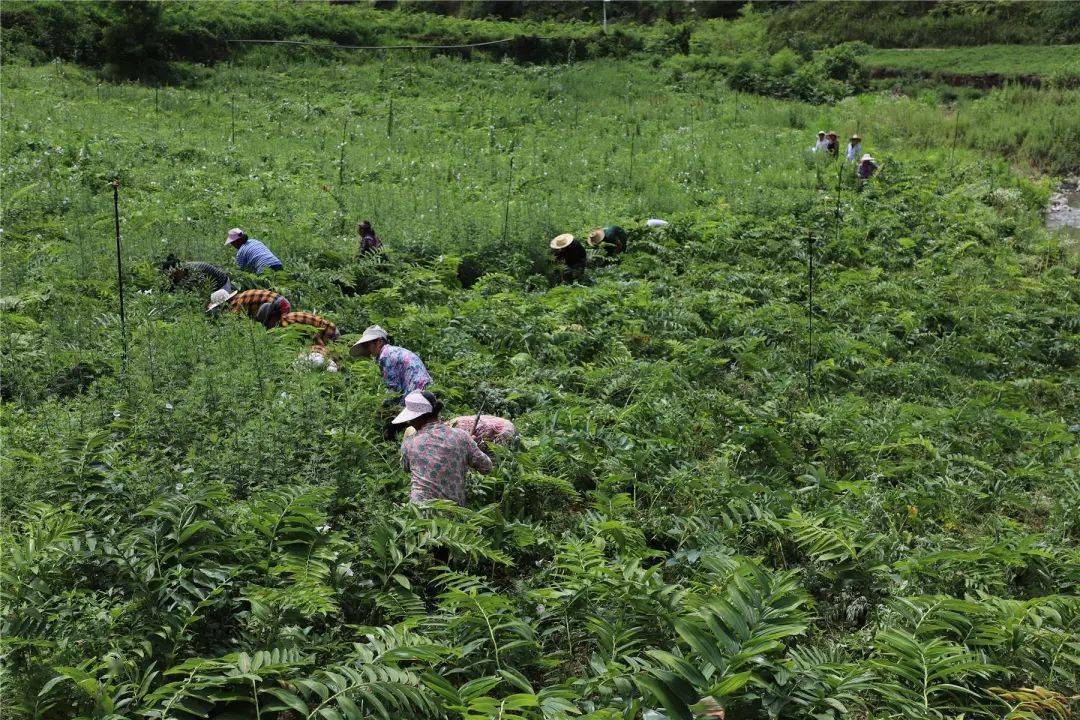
column 233, row 236
column 220, row 296
column 820, row 132
column 372, row 333
column 561, row 241
column 416, row 405
column 656, row 223
column 866, row 157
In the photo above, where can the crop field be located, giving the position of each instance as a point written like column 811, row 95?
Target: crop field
column 1061, row 62
column 710, row 508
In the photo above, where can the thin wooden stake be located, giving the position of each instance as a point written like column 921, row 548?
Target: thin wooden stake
column 810, row 315
column 390, row 120
column 506, row 206
column 119, row 267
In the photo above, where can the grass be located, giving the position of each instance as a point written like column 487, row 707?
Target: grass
column 201, row 527
column 1049, row 62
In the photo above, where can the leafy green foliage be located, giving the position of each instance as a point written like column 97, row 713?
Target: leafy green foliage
column 203, row 528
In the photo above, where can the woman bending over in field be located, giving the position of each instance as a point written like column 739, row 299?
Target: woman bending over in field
column 490, row 429
column 436, row 456
column 569, row 251
column 195, row 274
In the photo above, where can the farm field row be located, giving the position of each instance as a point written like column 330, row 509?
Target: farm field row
column 1049, row 62
column 199, row 527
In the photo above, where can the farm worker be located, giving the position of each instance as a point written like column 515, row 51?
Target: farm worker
column 491, row 429
column 572, row 253
column 820, row 145
column 854, row 148
column 249, row 301
column 251, row 254
column 436, row 456
column 867, row 167
column 327, row 330
column 369, row 241
column 402, row 370
column 611, row 239
column 195, row 273
column 832, row 143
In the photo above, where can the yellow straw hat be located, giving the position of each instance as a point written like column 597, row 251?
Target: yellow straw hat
column 561, row 241
column 596, row 237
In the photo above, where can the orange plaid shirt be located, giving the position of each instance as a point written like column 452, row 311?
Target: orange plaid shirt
column 327, row 330
column 250, row 300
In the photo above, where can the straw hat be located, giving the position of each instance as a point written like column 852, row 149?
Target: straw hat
column 596, row 237
column 856, row 136
column 832, row 133
column 220, row 296
column 561, row 241
column 820, row 132
column 866, row 158
column 374, row 332
column 416, row 405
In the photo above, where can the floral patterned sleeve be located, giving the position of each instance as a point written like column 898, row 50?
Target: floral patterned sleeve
column 477, row 459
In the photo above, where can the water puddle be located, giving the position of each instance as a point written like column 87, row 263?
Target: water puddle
column 1063, row 215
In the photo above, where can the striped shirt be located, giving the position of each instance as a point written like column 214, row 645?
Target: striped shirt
column 250, row 300
column 327, row 330
column 255, row 257
column 202, row 272
column 437, row 457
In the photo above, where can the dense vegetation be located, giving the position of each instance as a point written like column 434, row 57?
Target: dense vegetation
column 200, row 527
column 1054, row 64
column 946, row 23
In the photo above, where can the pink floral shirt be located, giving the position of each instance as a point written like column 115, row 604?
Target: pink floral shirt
column 437, row 457
column 493, row 428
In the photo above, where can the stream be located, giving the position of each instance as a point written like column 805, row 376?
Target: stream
column 1063, row 214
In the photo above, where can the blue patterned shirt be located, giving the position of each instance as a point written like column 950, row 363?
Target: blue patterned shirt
column 403, row 370
column 437, row 457
column 255, row 257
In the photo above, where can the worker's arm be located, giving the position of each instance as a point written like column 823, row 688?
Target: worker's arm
column 477, row 459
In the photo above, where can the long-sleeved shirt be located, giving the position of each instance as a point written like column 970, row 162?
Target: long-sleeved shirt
column 866, row 170
column 403, row 370
column 854, row 152
column 820, row 145
column 369, row 242
column 255, row 257
column 192, row 273
column 492, row 428
column 250, row 300
column 327, row 330
column 573, row 255
column 437, row 457
column 614, row 241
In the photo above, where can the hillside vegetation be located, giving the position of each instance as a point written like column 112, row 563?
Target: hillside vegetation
column 200, row 528
column 1052, row 63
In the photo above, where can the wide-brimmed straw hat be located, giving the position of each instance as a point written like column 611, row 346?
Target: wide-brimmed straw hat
column 220, row 296
column 866, row 157
column 832, row 133
column 373, row 332
column 821, row 132
column 416, row 405
column 234, row 235
column 856, row 136
column 596, row 237
column 561, row 241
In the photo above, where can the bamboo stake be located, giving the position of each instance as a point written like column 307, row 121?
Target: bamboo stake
column 119, row 268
